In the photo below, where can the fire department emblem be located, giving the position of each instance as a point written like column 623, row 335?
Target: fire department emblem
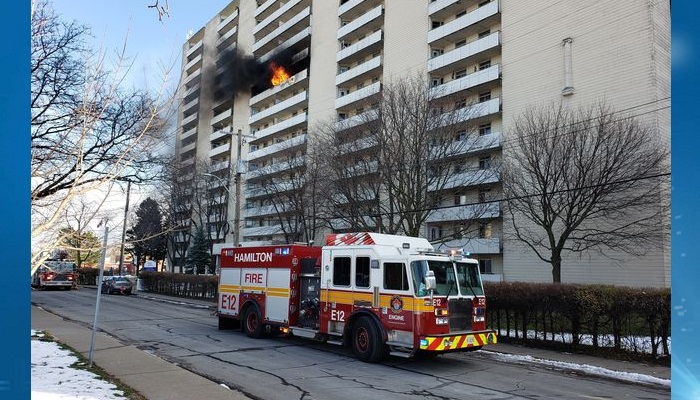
column 396, row 304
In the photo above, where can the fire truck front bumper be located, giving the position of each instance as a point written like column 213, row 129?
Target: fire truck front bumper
column 452, row 342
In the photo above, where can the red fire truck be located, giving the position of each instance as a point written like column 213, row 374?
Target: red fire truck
column 380, row 294
column 60, row 274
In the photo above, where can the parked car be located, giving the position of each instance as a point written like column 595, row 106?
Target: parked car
column 117, row 284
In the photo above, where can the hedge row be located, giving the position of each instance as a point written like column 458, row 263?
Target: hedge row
column 180, row 285
column 550, row 312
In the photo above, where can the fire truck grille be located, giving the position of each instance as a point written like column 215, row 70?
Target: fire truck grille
column 460, row 315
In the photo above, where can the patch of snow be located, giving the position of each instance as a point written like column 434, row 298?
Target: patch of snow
column 54, row 376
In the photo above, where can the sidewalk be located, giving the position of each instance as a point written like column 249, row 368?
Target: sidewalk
column 157, row 379
column 151, row 376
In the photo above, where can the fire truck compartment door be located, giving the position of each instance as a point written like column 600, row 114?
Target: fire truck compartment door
column 277, row 294
column 229, row 290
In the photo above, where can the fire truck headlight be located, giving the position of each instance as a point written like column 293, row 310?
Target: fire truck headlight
column 442, row 321
column 441, row 312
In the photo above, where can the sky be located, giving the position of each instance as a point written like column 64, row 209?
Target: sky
column 154, row 45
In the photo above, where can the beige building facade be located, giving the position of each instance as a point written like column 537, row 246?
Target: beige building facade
column 497, row 56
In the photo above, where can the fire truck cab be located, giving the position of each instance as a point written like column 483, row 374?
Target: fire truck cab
column 379, row 294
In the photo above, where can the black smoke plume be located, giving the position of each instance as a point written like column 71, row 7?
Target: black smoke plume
column 242, row 73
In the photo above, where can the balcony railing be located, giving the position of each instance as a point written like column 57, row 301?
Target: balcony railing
column 193, row 62
column 304, row 33
column 358, row 95
column 189, row 119
column 189, row 147
column 277, row 33
column 358, row 47
column 188, row 133
column 277, row 108
column 287, row 144
column 362, row 20
column 275, row 15
column 262, row 231
column 355, row 120
column 263, row 7
column 226, row 36
column 477, row 110
column 438, row 5
column 219, row 133
column 473, row 246
column 462, row 53
column 194, row 47
column 465, row 212
column 221, row 25
column 467, row 82
column 280, row 126
column 464, row 21
column 220, row 117
column 276, row 168
column 358, row 71
column 224, row 148
column 292, row 81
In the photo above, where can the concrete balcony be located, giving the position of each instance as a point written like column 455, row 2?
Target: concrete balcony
column 188, row 120
column 278, row 108
column 264, row 211
column 188, row 133
column 262, row 231
column 288, row 123
column 287, row 144
column 365, row 23
column 303, row 34
column 195, row 74
column 194, row 47
column 224, row 148
column 227, row 21
column 465, row 212
column 444, row 62
column 473, row 246
column 260, row 28
column 472, row 80
column 356, row 120
column 188, row 147
column 191, row 90
column 351, row 8
column 361, row 48
column 215, row 167
column 189, row 106
column 293, row 81
column 264, row 9
column 449, row 30
column 276, row 168
column 439, row 8
column 358, row 95
column 283, row 32
column 219, row 133
column 227, row 38
column 221, row 117
column 359, row 73
column 469, row 178
column 257, row 191
column 188, row 161
column 196, row 61
column 477, row 110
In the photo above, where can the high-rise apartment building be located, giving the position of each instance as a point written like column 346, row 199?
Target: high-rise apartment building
column 495, row 56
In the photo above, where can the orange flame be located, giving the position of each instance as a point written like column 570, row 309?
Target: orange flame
column 279, row 74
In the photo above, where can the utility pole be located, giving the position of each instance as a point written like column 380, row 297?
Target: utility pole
column 126, row 211
column 237, row 179
column 103, row 257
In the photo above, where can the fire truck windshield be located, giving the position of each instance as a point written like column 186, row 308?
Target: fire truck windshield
column 467, row 276
column 469, row 279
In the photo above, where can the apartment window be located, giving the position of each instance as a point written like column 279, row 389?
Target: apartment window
column 460, row 43
column 435, row 232
column 437, row 24
column 484, row 195
column 341, row 271
column 362, row 272
column 484, row 64
column 342, row 69
column 485, row 231
column 485, row 129
column 461, row 135
column 460, row 74
column 484, row 33
column 460, row 198
column 435, row 82
column 459, row 167
column 436, row 52
column 485, row 266
column 485, row 162
column 485, row 96
column 460, row 14
column 460, row 104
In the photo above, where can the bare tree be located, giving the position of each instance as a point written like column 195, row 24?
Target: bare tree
column 408, row 146
column 86, row 130
column 295, row 194
column 587, row 179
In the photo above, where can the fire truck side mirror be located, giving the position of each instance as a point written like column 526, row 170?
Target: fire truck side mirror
column 429, row 280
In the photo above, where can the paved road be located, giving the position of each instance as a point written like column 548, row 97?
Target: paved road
column 289, row 368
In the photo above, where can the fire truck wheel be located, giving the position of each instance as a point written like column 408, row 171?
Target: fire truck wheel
column 252, row 323
column 367, row 341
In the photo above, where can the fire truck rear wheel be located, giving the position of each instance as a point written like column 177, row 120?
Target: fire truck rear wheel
column 367, row 344
column 252, row 323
